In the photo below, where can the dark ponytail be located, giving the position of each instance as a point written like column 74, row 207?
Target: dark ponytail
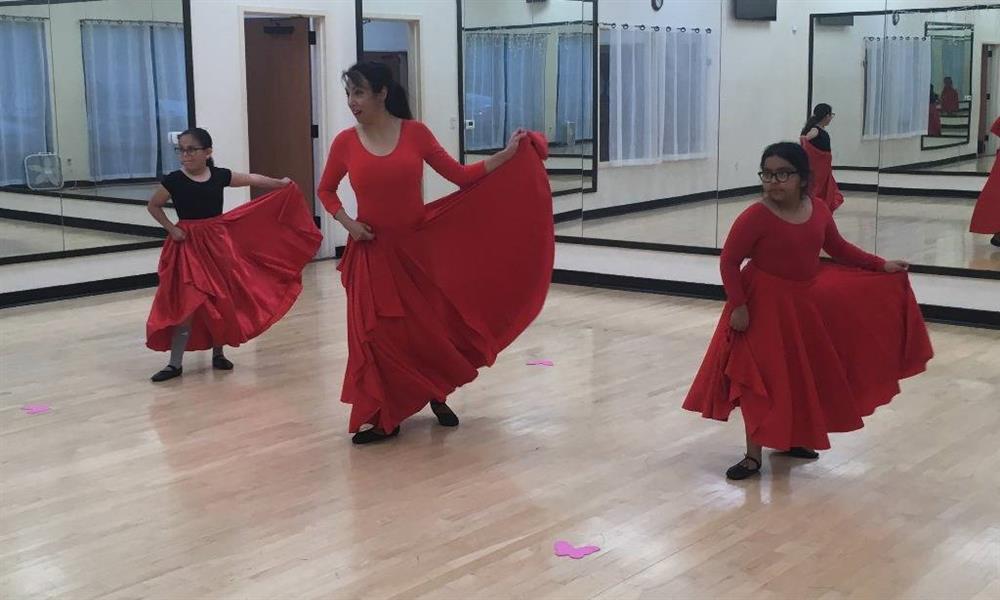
column 821, row 112
column 202, row 137
column 377, row 77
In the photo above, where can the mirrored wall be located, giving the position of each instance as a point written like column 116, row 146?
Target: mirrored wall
column 915, row 93
column 90, row 93
column 533, row 65
column 687, row 95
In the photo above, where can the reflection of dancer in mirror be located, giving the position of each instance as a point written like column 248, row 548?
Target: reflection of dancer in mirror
column 933, row 114
column 816, row 142
column 949, row 97
column 224, row 278
column 986, row 216
column 804, row 348
column 435, row 292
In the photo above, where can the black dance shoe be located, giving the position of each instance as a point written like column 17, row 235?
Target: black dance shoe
column 167, row 372
column 444, row 414
column 370, row 436
column 742, row 471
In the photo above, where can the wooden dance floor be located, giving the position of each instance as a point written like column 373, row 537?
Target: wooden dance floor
column 244, row 485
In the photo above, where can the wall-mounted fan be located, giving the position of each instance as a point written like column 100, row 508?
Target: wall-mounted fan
column 43, row 171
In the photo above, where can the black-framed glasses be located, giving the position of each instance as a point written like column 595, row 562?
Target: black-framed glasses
column 186, row 151
column 779, row 176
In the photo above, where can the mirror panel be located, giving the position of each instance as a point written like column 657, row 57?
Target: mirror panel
column 531, row 65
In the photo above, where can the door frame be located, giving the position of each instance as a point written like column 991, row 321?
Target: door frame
column 416, row 80
column 319, row 83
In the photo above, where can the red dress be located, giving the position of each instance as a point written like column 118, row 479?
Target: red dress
column 234, row 275
column 949, row 100
column 933, row 119
column 827, row 344
column 823, row 186
column 986, row 216
column 442, row 288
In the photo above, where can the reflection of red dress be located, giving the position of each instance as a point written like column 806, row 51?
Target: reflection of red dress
column 234, row 275
column 986, row 216
column 442, row 289
column 933, row 120
column 949, row 100
column 826, row 345
column 823, row 186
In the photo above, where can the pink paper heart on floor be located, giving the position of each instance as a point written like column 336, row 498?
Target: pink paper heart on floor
column 35, row 409
column 541, row 363
column 563, row 548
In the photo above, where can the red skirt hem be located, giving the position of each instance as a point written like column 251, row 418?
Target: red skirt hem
column 819, row 355
column 229, row 285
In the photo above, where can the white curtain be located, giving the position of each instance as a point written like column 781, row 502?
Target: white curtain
column 574, row 98
column 25, row 115
column 485, row 90
column 171, row 89
column 659, row 84
column 121, row 100
column 525, row 63
column 897, row 83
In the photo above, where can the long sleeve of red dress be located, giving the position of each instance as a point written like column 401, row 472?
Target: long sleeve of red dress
column 786, row 250
column 347, row 149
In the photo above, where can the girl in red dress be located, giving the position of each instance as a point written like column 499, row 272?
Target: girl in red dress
column 804, row 348
column 224, row 278
column 986, row 216
column 816, row 142
column 433, row 292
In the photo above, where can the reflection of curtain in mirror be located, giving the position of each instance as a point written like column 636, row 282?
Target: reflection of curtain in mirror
column 121, row 105
column 955, row 64
column 526, row 62
column 171, row 89
column 25, row 114
column 574, row 92
column 658, row 92
column 897, row 87
column 485, row 85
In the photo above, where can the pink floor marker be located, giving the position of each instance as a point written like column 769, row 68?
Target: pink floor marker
column 36, row 409
column 541, row 363
column 563, row 548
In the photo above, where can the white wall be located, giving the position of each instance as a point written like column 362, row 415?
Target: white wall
column 220, row 81
column 437, row 71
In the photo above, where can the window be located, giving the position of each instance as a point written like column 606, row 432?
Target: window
column 897, row 87
column 25, row 96
column 654, row 94
column 136, row 94
column 574, row 102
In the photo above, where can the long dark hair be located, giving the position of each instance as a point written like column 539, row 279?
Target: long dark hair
column 793, row 153
column 378, row 77
column 821, row 112
column 203, row 138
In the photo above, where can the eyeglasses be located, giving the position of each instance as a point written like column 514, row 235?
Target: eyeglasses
column 779, row 176
column 186, row 151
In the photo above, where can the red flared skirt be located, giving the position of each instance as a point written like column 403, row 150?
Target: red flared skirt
column 986, row 215
column 823, row 186
column 234, row 275
column 427, row 308
column 818, row 356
